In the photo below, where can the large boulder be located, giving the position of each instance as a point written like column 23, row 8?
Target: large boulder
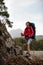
column 7, row 49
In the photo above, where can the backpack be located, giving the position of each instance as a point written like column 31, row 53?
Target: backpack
column 33, row 26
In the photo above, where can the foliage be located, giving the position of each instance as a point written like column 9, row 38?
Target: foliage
column 19, row 41
column 4, row 13
column 35, row 44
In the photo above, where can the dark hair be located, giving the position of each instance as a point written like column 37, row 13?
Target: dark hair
column 28, row 22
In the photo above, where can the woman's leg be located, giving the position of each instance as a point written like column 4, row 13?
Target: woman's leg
column 28, row 48
column 28, row 45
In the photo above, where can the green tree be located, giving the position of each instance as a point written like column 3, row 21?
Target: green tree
column 4, row 13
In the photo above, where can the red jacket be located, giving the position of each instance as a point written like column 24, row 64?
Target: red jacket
column 28, row 31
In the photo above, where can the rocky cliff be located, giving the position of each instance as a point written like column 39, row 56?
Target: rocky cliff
column 7, row 49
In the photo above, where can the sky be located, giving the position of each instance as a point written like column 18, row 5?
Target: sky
column 22, row 11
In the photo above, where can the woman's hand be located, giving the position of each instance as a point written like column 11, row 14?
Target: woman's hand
column 29, row 36
column 22, row 34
